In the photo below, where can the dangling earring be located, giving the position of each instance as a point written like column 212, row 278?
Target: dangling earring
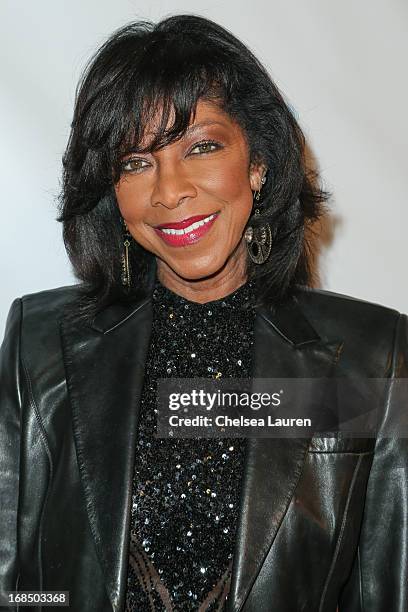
column 126, row 282
column 258, row 239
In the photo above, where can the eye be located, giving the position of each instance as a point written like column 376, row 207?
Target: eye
column 206, row 146
column 133, row 165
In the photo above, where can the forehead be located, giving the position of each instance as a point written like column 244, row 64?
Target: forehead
column 205, row 114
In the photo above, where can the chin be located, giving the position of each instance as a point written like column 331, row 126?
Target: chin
column 199, row 270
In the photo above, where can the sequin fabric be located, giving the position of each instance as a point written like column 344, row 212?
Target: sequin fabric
column 185, row 499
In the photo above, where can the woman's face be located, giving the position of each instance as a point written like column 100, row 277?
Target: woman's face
column 205, row 178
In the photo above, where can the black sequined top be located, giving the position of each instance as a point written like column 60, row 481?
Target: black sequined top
column 186, row 490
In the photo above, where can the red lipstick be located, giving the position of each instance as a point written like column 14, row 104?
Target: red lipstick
column 182, row 224
column 187, row 231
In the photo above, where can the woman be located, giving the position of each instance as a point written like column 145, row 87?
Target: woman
column 185, row 203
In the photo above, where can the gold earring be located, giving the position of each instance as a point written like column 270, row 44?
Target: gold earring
column 257, row 193
column 126, row 281
column 259, row 239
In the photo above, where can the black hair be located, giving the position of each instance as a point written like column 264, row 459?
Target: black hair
column 171, row 65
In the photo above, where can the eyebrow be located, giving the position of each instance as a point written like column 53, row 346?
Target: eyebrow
column 197, row 126
column 190, row 130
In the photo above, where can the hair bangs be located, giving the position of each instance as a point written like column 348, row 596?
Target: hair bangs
column 163, row 101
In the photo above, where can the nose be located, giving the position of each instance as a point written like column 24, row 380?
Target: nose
column 171, row 186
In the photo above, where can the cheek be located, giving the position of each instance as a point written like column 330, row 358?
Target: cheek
column 229, row 181
column 127, row 197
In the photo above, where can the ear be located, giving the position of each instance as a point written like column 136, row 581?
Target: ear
column 257, row 170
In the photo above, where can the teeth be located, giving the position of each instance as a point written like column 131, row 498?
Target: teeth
column 188, row 229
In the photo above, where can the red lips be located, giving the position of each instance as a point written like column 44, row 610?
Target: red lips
column 182, row 239
column 184, row 223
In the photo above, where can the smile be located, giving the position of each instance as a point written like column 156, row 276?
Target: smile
column 187, row 235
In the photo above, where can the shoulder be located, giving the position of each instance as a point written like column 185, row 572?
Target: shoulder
column 342, row 308
column 39, row 314
column 33, row 328
column 44, row 304
column 49, row 301
column 366, row 329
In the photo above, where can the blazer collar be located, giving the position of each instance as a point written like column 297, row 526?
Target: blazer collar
column 105, row 370
column 287, row 320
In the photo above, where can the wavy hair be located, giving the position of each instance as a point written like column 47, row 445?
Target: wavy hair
column 169, row 66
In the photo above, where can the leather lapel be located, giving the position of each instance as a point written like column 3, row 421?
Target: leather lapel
column 286, row 346
column 105, row 369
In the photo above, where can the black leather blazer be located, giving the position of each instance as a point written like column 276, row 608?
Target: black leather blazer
column 323, row 520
